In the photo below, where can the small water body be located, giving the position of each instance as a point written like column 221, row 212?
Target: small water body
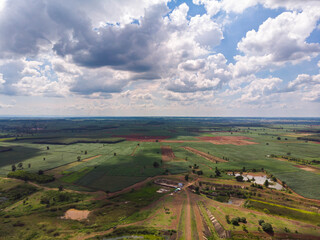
column 260, row 180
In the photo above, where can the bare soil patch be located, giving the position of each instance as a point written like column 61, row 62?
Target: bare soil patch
column 167, row 153
column 142, row 138
column 75, row 214
column 234, row 140
column 307, row 168
column 205, row 155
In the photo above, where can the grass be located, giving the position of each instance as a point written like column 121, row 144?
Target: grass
column 284, row 211
column 73, row 177
column 182, row 223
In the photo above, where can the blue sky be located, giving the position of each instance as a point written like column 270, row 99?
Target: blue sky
column 256, row 58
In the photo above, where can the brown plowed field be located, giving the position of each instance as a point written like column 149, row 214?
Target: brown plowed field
column 234, row 140
column 167, row 153
column 205, row 155
column 141, row 138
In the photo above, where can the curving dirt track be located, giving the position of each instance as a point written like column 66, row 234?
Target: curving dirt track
column 205, row 155
column 56, row 172
column 234, row 140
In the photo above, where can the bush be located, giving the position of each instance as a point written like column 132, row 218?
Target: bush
column 267, row 227
column 156, row 164
column 261, row 221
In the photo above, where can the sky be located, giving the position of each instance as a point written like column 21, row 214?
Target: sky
column 249, row 58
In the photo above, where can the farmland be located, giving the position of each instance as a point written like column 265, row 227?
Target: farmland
column 107, row 166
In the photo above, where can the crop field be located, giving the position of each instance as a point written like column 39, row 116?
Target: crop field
column 110, row 164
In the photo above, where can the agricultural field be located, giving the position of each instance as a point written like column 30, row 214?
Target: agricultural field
column 99, row 178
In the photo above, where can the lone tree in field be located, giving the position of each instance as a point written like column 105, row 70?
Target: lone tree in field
column 13, row 168
column 186, row 177
column 217, row 172
column 20, row 165
column 48, row 148
column 29, row 165
column 267, row 227
column 85, row 152
column 239, row 178
column 114, row 154
column 78, row 158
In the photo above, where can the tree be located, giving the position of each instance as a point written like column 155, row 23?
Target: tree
column 20, row 165
column 29, row 165
column 279, row 138
column 266, row 183
column 114, row 154
column 78, row 158
column 228, row 219
column 267, row 227
column 243, row 220
column 61, row 188
column 85, row 152
column 217, row 172
column 261, row 221
column 156, row 164
column 13, row 168
column 235, row 221
column 239, row 178
column 186, row 177
column 48, row 148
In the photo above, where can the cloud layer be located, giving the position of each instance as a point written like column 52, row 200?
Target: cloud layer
column 151, row 57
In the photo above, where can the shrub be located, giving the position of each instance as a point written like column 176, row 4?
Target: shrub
column 261, row 221
column 156, row 164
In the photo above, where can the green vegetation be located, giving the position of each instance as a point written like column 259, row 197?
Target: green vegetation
column 27, row 176
column 284, row 211
column 103, row 156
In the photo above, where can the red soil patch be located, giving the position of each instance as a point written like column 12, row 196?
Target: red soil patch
column 141, row 138
column 205, row 155
column 235, row 140
column 167, row 153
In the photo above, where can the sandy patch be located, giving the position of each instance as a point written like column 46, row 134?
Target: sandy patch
column 75, row 214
